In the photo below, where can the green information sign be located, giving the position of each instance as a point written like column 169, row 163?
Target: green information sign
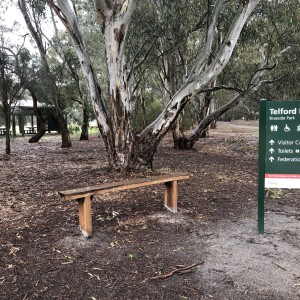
column 279, row 148
column 282, row 160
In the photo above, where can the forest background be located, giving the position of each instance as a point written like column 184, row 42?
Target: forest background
column 144, row 68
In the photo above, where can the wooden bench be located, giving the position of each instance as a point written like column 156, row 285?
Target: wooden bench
column 84, row 195
column 3, row 131
column 30, row 130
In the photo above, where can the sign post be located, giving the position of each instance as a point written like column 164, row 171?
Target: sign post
column 279, row 149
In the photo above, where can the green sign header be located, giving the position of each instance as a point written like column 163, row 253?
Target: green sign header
column 282, row 137
column 279, row 149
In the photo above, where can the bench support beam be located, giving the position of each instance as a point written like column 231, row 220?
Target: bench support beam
column 171, row 196
column 85, row 216
column 84, row 195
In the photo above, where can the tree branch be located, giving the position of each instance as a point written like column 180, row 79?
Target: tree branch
column 143, row 60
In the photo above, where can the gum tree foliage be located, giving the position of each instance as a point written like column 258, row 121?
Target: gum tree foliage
column 281, row 21
column 271, row 38
column 113, row 110
column 65, row 65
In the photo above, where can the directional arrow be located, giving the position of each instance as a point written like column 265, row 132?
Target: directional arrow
column 271, row 159
column 272, row 142
column 272, row 150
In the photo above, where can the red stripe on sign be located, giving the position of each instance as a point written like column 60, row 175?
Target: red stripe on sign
column 290, row 176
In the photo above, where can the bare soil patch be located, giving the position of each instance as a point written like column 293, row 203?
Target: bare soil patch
column 135, row 240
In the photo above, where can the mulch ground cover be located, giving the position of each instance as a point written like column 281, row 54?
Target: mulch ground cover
column 138, row 250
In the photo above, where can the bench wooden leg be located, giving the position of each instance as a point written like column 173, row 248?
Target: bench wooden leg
column 85, row 216
column 171, row 196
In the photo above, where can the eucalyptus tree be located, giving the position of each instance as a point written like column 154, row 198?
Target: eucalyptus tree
column 244, row 75
column 260, row 68
column 126, row 149
column 32, row 12
column 174, row 47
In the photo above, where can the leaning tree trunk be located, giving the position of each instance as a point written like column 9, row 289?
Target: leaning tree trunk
column 188, row 142
column 180, row 140
column 41, row 121
column 41, row 130
column 85, row 122
column 200, row 77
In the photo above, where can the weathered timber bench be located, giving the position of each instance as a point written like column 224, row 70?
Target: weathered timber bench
column 84, row 195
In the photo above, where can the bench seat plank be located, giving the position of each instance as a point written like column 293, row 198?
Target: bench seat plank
column 119, row 186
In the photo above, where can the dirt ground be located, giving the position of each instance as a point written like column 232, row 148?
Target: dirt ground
column 138, row 246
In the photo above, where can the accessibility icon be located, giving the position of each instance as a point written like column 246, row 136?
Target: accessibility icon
column 287, row 128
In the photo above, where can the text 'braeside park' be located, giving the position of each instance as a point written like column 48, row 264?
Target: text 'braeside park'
column 283, row 114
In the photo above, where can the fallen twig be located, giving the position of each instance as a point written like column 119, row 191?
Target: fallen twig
column 179, row 270
column 279, row 266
